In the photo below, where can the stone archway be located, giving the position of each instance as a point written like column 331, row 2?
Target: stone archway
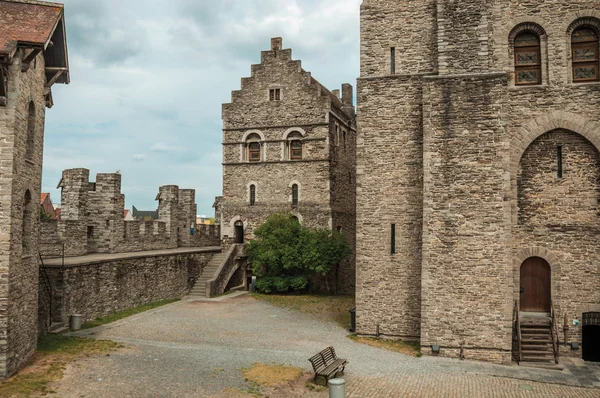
column 526, row 135
column 553, row 262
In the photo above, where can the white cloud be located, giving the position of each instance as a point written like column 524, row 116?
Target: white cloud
column 162, row 147
column 138, row 157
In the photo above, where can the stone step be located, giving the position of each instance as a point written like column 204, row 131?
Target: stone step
column 536, row 347
column 535, row 331
column 537, row 354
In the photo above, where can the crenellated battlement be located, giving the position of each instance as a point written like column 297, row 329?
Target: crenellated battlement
column 92, row 219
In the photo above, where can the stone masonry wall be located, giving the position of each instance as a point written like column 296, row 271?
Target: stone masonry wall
column 323, row 120
column 105, row 287
column 389, row 191
column 408, row 26
column 482, row 218
column 19, row 211
column 466, row 286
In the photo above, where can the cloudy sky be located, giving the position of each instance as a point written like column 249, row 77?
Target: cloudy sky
column 148, row 78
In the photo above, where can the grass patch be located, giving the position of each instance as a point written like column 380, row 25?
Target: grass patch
column 48, row 364
column 272, row 375
column 124, row 314
column 329, row 308
column 408, row 348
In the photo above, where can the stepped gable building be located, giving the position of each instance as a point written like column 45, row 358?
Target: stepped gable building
column 288, row 145
column 33, row 57
column 478, row 172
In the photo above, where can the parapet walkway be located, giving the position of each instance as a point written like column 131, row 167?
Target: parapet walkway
column 104, row 257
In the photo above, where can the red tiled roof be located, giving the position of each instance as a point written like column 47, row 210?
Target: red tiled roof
column 28, row 22
column 43, row 197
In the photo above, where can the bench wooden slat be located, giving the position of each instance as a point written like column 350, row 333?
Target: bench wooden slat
column 326, row 363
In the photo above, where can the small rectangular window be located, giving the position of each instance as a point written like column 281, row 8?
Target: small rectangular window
column 559, row 156
column 393, row 60
column 275, row 94
column 252, row 195
column 393, row 240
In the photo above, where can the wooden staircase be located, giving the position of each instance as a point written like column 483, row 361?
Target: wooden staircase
column 537, row 340
column 200, row 289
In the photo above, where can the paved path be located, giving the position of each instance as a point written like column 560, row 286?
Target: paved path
column 102, row 257
column 197, row 348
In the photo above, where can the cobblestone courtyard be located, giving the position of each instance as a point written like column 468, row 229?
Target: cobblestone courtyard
column 197, row 348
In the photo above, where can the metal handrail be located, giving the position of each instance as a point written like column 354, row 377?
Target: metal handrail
column 555, row 339
column 517, row 315
column 47, row 284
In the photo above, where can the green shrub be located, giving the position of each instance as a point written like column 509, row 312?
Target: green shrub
column 284, row 255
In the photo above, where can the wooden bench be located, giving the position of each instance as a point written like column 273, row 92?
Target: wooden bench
column 327, row 365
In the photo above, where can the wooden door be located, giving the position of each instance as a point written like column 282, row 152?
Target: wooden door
column 535, row 285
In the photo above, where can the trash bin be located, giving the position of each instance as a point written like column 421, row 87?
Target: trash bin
column 75, row 323
column 353, row 320
column 337, row 388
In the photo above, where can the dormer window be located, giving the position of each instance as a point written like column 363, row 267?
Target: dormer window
column 275, row 94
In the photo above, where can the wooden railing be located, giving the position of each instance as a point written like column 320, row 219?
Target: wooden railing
column 517, row 321
column 554, row 329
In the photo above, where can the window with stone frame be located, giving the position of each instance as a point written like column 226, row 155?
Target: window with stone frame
column 254, row 148
column 275, row 94
column 295, row 194
column 585, row 48
column 29, row 148
column 252, row 195
column 295, row 146
column 528, row 59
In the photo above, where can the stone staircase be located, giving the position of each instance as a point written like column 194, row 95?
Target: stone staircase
column 536, row 343
column 200, row 289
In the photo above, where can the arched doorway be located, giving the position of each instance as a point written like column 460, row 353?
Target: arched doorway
column 591, row 336
column 535, row 285
column 239, row 232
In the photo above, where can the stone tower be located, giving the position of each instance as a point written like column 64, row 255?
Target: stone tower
column 468, row 115
column 32, row 59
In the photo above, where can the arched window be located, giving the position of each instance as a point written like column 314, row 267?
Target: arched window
column 26, row 227
column 254, row 148
column 585, row 47
column 528, row 59
column 30, row 131
column 295, row 195
column 294, row 146
column 252, row 194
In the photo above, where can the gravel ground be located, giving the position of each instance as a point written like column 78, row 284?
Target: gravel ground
column 197, row 348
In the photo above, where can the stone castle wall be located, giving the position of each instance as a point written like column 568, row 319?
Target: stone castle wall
column 19, row 210
column 102, row 288
column 446, row 144
column 92, row 220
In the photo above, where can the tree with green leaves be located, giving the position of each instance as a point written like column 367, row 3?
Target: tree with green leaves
column 285, row 256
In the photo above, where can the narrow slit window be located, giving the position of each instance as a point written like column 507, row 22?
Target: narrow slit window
column 559, row 157
column 393, row 240
column 252, row 195
column 393, row 60
column 295, row 195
